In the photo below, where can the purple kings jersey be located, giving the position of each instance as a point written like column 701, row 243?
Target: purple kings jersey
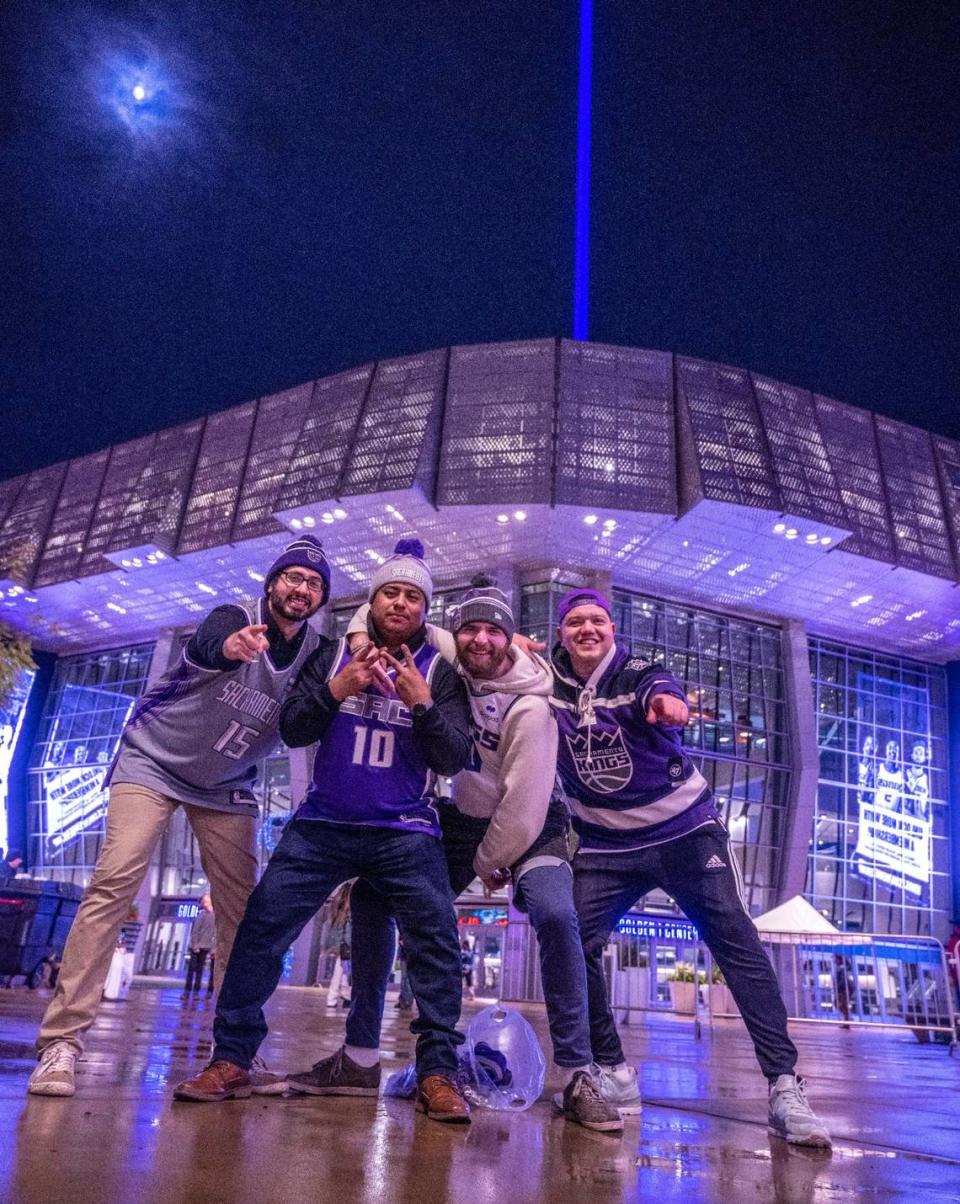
column 367, row 768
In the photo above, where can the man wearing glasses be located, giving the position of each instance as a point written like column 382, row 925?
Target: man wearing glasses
column 194, row 740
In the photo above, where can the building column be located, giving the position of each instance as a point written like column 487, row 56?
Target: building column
column 152, row 885
column 804, row 760
column 953, row 783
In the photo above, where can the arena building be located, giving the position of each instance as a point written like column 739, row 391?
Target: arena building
column 792, row 559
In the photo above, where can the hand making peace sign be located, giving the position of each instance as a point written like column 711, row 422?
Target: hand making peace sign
column 410, row 683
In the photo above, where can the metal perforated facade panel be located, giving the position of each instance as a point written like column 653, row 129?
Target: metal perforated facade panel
column 615, row 430
column 914, row 498
column 215, row 490
column 63, row 548
column 155, row 503
column 947, row 455
column 728, row 437
column 801, row 463
column 498, row 427
column 25, row 526
column 276, row 436
column 851, row 444
column 326, row 437
column 395, row 445
column 127, row 464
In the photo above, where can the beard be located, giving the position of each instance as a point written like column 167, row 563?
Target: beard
column 293, row 611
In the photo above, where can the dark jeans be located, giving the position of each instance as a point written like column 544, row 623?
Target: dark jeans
column 374, row 936
column 195, row 964
column 606, row 885
column 310, row 862
column 545, row 893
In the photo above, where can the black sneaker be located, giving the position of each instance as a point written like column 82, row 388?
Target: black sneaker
column 337, row 1075
column 584, row 1105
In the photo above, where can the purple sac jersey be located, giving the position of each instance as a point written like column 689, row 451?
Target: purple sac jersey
column 367, row 768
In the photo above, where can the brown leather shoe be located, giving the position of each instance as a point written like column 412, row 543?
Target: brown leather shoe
column 220, row 1080
column 439, row 1098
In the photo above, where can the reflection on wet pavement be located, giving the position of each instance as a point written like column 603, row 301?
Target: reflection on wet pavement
column 890, row 1103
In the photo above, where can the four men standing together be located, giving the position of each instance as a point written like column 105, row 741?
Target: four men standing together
column 388, row 716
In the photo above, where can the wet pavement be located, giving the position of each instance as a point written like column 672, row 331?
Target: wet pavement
column 892, row 1105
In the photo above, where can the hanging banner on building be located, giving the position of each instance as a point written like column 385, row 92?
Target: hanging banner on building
column 74, row 769
column 11, row 720
column 893, row 794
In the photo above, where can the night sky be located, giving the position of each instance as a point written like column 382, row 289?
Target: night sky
column 307, row 186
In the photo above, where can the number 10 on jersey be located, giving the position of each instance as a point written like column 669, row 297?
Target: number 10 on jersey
column 373, row 747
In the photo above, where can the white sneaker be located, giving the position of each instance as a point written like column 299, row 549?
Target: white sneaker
column 791, row 1117
column 54, row 1072
column 619, row 1087
column 263, row 1081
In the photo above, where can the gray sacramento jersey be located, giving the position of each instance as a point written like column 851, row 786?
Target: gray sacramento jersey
column 197, row 735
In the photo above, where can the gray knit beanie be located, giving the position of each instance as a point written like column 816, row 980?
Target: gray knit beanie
column 406, row 567
column 484, row 603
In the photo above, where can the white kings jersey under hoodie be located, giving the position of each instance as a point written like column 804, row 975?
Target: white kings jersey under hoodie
column 511, row 775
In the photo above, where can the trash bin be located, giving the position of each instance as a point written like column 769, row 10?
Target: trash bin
column 35, row 919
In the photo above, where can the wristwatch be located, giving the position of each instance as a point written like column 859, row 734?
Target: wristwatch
column 419, row 709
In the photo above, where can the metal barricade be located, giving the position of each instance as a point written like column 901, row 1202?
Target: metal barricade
column 650, row 964
column 858, row 979
column 866, row 980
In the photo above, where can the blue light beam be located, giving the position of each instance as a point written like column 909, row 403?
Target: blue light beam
column 581, row 250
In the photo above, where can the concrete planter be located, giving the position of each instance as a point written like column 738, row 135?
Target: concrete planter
column 683, row 996
column 630, row 990
column 721, row 1000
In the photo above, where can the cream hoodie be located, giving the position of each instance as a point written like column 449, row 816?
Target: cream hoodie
column 511, row 774
column 510, row 777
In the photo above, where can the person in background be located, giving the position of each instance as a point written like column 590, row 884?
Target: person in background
column 11, row 865
column 203, row 940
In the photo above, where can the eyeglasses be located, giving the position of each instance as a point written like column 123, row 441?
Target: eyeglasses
column 294, row 580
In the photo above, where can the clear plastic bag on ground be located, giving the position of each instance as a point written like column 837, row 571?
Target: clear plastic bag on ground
column 501, row 1065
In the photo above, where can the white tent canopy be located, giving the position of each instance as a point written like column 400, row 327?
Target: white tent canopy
column 796, row 915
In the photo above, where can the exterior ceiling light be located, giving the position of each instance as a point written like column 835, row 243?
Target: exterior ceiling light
column 520, row 515
column 779, row 528
column 791, row 533
column 590, row 519
column 503, row 518
column 862, row 600
column 339, row 512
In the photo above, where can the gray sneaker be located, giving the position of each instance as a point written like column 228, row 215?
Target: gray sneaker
column 337, row 1075
column 263, row 1081
column 583, row 1103
column 791, row 1117
column 621, row 1091
column 54, row 1072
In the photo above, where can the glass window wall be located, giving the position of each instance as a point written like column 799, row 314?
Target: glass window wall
column 89, row 702
column 879, row 856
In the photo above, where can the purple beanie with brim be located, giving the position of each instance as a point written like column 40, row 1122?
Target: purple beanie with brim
column 581, row 597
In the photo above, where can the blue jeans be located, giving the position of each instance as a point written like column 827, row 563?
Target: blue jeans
column 311, row 860
column 605, row 887
column 545, row 892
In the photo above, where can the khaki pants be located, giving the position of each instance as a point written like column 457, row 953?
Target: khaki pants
column 136, row 818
